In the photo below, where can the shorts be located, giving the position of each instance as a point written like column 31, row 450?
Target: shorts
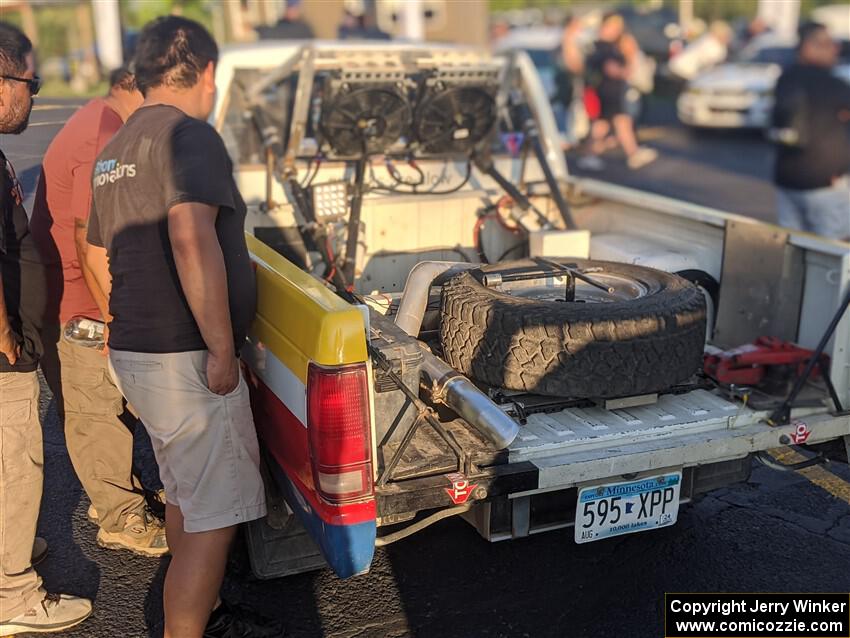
column 205, row 443
column 825, row 211
column 612, row 98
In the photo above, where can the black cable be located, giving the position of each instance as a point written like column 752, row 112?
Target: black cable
column 315, row 171
column 380, row 185
column 394, row 189
column 510, row 250
column 398, row 177
column 453, row 189
column 421, row 173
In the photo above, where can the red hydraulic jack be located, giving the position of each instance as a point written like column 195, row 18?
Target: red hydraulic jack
column 749, row 364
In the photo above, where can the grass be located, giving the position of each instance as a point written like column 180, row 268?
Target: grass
column 61, row 89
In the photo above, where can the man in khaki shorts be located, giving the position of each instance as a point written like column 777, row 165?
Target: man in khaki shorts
column 168, row 249
column 96, row 420
column 24, row 605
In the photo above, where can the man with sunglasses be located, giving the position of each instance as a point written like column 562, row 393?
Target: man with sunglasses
column 810, row 126
column 24, row 605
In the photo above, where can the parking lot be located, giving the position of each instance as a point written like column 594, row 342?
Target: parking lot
column 777, row 532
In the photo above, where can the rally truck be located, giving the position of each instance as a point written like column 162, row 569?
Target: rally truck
column 449, row 324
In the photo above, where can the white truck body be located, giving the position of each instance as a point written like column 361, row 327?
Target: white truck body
column 574, row 447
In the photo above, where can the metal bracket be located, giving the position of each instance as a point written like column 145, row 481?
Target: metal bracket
column 426, row 413
column 520, row 516
column 300, row 110
column 782, row 414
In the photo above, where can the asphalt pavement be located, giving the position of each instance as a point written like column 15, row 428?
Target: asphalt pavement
column 725, row 169
column 776, row 532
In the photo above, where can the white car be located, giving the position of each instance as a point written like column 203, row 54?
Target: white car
column 737, row 94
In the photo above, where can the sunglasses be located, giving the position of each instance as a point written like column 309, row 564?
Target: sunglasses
column 34, row 83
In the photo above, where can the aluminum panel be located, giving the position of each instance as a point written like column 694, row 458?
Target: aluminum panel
column 761, row 285
column 573, row 428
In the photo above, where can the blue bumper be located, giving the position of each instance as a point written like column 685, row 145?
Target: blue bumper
column 348, row 549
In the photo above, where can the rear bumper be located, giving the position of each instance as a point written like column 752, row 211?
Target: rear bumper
column 398, row 500
column 557, row 470
column 348, row 549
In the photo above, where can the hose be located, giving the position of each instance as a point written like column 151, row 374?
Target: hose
column 420, row 525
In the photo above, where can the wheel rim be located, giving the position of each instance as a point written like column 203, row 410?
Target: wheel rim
column 553, row 288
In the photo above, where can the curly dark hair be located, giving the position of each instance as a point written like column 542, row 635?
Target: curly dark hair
column 122, row 78
column 14, row 47
column 172, row 51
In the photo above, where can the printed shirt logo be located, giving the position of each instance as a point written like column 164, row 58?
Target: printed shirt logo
column 108, row 171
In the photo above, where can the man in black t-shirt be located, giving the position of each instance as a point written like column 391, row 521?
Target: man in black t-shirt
column 811, row 120
column 167, row 248
column 24, row 605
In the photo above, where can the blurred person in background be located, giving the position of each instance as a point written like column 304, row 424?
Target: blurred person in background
column 608, row 68
column 291, row 25
column 569, row 81
column 756, row 27
column 498, row 30
column 810, row 127
column 359, row 24
column 99, row 443
column 706, row 51
column 24, row 604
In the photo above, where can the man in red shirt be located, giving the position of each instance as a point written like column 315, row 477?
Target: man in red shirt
column 100, row 445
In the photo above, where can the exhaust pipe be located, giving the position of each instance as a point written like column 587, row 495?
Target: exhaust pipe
column 447, row 386
column 414, row 300
column 444, row 384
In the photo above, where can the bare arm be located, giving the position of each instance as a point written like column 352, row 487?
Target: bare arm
column 572, row 56
column 200, row 266
column 98, row 265
column 100, row 298
column 8, row 345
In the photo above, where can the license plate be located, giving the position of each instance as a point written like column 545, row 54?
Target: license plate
column 614, row 509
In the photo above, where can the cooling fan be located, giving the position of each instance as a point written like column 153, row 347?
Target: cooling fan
column 454, row 119
column 365, row 119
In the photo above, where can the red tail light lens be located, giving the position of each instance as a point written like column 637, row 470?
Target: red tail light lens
column 339, row 431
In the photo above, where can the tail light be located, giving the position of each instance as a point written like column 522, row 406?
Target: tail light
column 339, row 431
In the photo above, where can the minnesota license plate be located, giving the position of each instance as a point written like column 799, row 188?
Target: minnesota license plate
column 614, row 509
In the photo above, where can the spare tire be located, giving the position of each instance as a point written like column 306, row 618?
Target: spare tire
column 645, row 337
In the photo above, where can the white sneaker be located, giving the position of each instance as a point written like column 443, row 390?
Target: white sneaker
column 56, row 612
column 641, row 157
